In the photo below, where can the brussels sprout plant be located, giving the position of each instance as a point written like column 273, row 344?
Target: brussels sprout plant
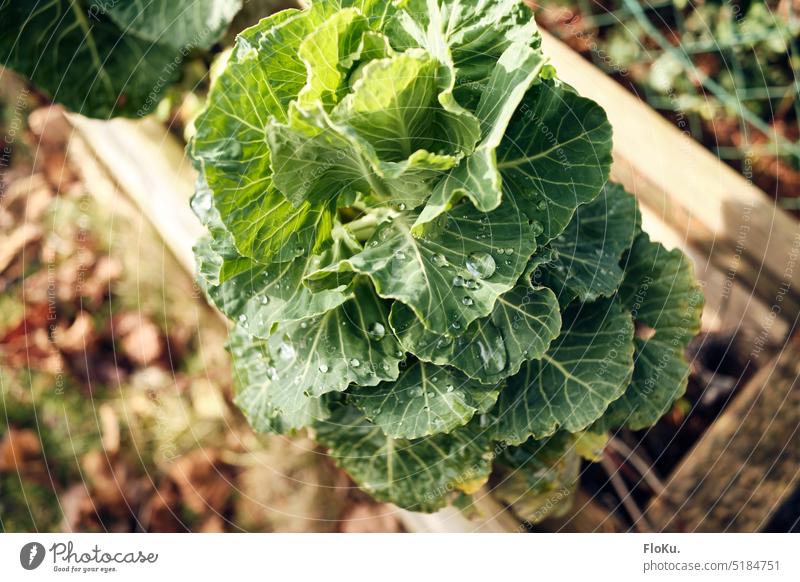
column 412, row 229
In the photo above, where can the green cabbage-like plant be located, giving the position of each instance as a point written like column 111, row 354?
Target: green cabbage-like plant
column 105, row 58
column 412, row 228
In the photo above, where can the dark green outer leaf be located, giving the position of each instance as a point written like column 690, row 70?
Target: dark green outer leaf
column 587, row 367
column 416, row 475
column 87, row 64
column 181, row 24
column 588, row 252
column 426, row 399
column 659, row 378
column 662, row 292
column 555, row 156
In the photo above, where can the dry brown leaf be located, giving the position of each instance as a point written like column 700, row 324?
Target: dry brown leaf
column 78, row 337
column 97, row 285
column 204, row 481
column 142, row 343
column 76, row 505
column 12, row 245
column 161, row 513
column 50, row 126
column 20, row 189
column 212, row 524
column 109, row 428
column 19, row 448
column 37, row 203
column 105, row 477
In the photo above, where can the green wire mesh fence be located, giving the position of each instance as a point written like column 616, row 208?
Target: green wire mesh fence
column 725, row 71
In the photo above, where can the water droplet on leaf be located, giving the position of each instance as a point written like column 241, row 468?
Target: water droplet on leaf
column 377, row 331
column 472, row 284
column 285, row 351
column 481, row 264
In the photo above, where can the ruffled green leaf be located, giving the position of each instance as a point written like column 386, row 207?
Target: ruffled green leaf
column 262, row 76
column 521, row 326
column 588, row 366
column 329, row 53
column 587, row 254
column 269, row 403
column 478, row 177
column 451, row 272
column 388, row 138
column 556, row 155
column 426, row 399
column 212, row 250
column 418, row 474
column 351, row 343
column 661, row 291
column 471, row 36
column 255, row 295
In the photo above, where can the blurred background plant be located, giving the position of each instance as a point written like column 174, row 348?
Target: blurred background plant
column 724, row 71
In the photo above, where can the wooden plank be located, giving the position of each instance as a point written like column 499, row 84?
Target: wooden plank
column 148, row 164
column 708, row 204
column 730, row 307
column 745, row 465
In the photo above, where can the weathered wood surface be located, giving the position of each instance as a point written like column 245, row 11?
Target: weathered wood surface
column 745, row 465
column 148, row 164
column 709, row 205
